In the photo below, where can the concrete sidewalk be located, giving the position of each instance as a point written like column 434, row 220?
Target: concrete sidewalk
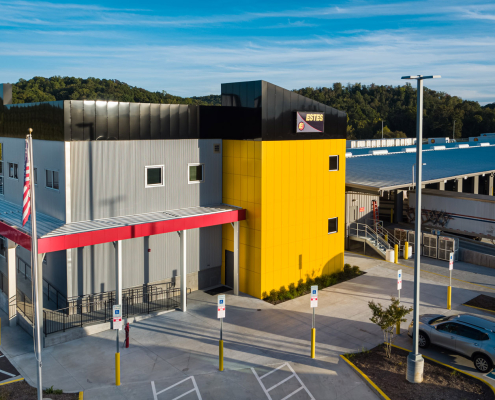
column 174, row 348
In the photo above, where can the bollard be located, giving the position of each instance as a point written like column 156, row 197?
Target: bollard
column 386, row 238
column 220, row 355
column 449, row 298
column 117, row 369
column 313, row 334
column 396, row 253
column 406, row 250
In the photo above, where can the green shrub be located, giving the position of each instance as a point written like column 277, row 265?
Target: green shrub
column 51, row 390
column 356, row 271
column 273, row 295
column 265, row 296
column 292, row 289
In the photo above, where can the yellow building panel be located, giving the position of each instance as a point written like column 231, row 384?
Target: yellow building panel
column 237, row 165
column 244, row 149
column 250, row 149
column 257, row 150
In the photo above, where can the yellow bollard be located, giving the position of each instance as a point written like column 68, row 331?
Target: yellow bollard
column 220, row 348
column 117, row 369
column 386, row 238
column 406, row 250
column 396, row 253
column 398, row 328
column 313, row 334
column 391, row 215
column 449, row 298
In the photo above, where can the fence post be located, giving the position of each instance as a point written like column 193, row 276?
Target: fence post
column 148, row 300
column 81, row 316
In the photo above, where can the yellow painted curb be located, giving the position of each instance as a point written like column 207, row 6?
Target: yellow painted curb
column 422, row 271
column 81, row 394
column 15, row 380
column 479, row 308
column 448, row 366
column 373, row 385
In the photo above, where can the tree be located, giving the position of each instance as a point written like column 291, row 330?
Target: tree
column 387, row 319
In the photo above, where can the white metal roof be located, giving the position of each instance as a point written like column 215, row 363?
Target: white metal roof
column 50, row 227
column 390, row 171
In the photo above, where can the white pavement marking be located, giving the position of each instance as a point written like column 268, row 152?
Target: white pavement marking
column 293, row 375
column 7, row 373
column 155, row 393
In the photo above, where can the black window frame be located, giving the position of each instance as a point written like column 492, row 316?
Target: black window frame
column 189, row 181
column 162, row 176
column 336, row 219
column 52, row 173
column 330, row 163
column 15, row 170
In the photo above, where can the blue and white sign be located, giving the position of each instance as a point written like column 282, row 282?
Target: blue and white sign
column 399, row 279
column 314, row 296
column 117, row 317
column 221, row 306
column 451, row 261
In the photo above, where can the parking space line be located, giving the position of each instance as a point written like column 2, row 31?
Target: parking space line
column 155, row 393
column 7, row 373
column 303, row 386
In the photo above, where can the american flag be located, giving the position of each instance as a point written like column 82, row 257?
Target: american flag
column 26, row 197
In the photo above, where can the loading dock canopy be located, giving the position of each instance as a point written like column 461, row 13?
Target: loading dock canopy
column 379, row 173
column 55, row 235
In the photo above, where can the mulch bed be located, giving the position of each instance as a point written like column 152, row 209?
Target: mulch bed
column 482, row 301
column 439, row 382
column 22, row 391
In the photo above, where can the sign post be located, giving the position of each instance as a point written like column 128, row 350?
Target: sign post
column 314, row 304
column 221, row 316
column 117, row 325
column 399, row 287
column 449, row 290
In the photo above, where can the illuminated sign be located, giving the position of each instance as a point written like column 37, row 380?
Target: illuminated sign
column 310, row 121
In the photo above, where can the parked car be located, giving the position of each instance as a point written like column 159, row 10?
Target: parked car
column 466, row 334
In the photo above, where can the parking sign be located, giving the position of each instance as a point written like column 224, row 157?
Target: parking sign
column 451, row 261
column 314, row 296
column 221, row 306
column 117, row 317
column 399, row 279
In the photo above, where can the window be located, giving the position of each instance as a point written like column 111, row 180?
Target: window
column 52, row 179
column 196, row 173
column 153, row 175
column 13, row 171
column 1, row 177
column 471, row 333
column 35, row 176
column 333, row 163
column 333, row 225
column 448, row 327
column 3, row 247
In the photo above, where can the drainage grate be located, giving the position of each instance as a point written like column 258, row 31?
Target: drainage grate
column 218, row 290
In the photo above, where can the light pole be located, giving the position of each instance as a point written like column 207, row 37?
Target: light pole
column 382, row 129
column 415, row 361
column 453, row 132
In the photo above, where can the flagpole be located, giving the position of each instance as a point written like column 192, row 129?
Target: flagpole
column 34, row 265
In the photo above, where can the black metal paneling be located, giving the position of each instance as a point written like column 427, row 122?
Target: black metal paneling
column 144, row 121
column 193, row 130
column 89, row 119
column 155, row 121
column 174, row 121
column 226, row 89
column 77, row 120
column 101, row 124
column 134, row 121
column 165, row 121
column 229, row 122
column 183, row 114
column 124, row 121
column 113, row 120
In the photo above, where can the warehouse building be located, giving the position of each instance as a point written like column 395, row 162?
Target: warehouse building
column 249, row 194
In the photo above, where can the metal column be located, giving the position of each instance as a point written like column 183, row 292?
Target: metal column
column 476, row 184
column 118, row 271
column 12, row 283
column 183, row 270
column 459, row 185
column 236, row 258
column 441, row 185
column 490, row 185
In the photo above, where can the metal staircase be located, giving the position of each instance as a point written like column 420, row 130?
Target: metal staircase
column 365, row 233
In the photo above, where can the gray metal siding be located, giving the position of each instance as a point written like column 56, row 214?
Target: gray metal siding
column 94, row 266
column 47, row 155
column 108, row 177
column 358, row 199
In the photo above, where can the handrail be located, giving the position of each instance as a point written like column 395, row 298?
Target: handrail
column 391, row 238
column 365, row 231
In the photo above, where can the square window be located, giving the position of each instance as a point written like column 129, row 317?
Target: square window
column 154, row 176
column 1, row 167
column 13, row 171
column 35, row 176
column 333, row 163
column 55, row 179
column 49, row 179
column 1, row 184
column 333, row 225
column 195, row 173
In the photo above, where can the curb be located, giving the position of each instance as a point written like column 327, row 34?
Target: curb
column 479, row 308
column 367, row 380
column 12, row 381
column 448, row 366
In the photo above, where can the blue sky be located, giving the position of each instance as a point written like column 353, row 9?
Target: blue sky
column 189, row 47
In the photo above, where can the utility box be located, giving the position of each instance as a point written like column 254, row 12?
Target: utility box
column 401, row 234
column 409, row 252
column 447, row 245
column 430, row 245
column 390, row 255
column 411, row 240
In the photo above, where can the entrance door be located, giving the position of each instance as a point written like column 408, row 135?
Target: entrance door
column 353, row 214
column 229, row 269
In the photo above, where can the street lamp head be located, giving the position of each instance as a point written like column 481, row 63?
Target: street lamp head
column 421, row 77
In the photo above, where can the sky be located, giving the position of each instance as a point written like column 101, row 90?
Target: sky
column 188, row 48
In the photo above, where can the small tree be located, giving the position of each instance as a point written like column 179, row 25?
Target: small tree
column 387, row 319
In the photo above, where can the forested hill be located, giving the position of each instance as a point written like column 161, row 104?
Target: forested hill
column 365, row 105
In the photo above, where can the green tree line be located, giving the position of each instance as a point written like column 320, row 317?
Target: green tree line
column 366, row 105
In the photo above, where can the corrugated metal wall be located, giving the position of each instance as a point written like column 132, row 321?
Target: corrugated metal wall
column 359, row 200
column 108, row 180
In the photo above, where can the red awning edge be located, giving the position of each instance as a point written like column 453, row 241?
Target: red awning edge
column 11, row 233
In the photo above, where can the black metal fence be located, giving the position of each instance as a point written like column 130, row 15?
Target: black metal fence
column 24, row 304
column 134, row 301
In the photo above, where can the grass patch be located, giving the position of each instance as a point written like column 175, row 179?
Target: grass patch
column 304, row 287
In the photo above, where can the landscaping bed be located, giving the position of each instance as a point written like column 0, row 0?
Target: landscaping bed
column 302, row 288
column 482, row 301
column 439, row 382
column 22, row 391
